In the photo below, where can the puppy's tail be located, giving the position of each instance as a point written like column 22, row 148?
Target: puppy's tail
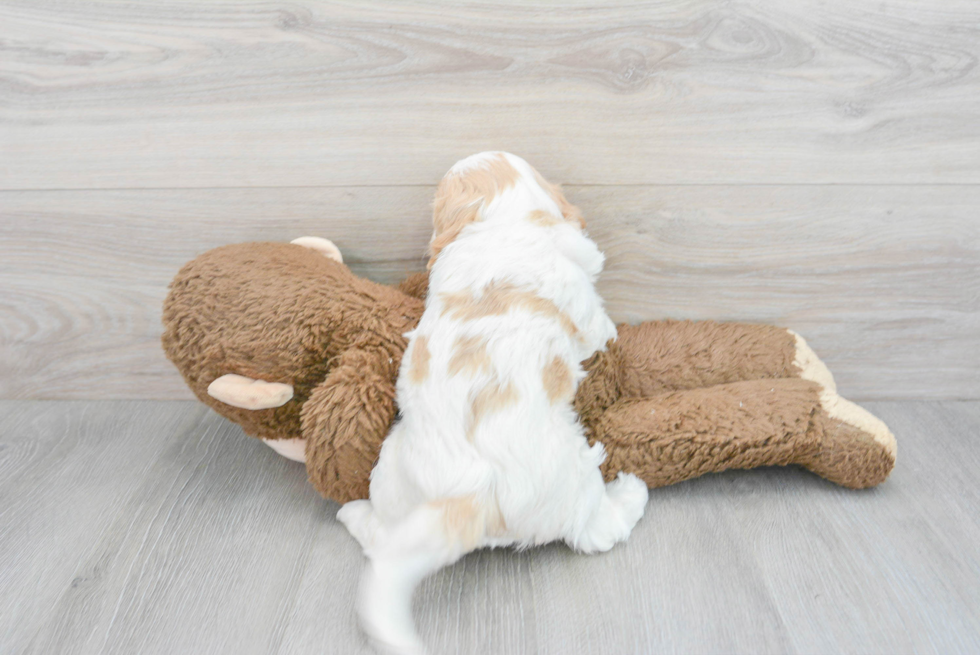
column 432, row 536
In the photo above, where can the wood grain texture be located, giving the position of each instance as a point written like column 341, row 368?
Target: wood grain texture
column 883, row 281
column 812, row 164
column 157, row 527
column 101, row 528
column 179, row 94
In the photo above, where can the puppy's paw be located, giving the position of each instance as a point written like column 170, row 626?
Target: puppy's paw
column 629, row 494
column 622, row 505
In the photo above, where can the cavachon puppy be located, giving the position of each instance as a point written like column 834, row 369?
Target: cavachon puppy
column 488, row 450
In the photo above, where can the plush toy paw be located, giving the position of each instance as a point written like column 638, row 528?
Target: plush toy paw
column 294, row 449
column 812, row 367
column 857, row 449
column 325, row 247
column 246, row 393
column 844, row 410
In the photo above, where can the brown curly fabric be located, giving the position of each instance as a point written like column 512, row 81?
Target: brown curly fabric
column 659, row 356
column 415, row 285
column 668, row 355
column 847, row 455
column 670, row 400
column 346, row 419
column 283, row 313
column 683, row 434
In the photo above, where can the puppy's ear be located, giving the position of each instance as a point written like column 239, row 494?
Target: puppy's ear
column 456, row 206
column 463, row 194
column 568, row 210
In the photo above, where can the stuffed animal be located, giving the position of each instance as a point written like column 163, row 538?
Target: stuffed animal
column 285, row 341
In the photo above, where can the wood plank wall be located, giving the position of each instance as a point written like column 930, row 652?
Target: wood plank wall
column 808, row 164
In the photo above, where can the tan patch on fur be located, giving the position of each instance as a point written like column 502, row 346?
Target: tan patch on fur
column 491, row 398
column 466, row 520
column 461, row 520
column 419, row 369
column 500, row 298
column 460, row 197
column 470, row 356
column 557, row 380
column 543, row 218
column 568, row 210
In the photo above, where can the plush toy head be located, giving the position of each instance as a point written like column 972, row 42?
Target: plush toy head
column 279, row 313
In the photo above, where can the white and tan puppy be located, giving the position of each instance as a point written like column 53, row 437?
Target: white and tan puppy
column 488, row 450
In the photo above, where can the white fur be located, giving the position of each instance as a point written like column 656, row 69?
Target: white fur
column 530, row 461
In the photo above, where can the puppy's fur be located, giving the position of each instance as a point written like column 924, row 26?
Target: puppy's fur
column 489, row 451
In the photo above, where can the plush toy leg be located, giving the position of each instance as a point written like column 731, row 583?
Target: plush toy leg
column 324, row 246
column 660, row 356
column 683, row 434
column 240, row 391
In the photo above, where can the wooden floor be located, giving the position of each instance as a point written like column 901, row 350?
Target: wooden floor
column 157, row 527
column 811, row 164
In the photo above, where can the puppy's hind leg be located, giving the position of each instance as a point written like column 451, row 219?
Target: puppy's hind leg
column 363, row 524
column 432, row 536
column 621, row 506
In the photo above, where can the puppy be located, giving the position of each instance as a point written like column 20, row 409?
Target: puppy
column 488, row 450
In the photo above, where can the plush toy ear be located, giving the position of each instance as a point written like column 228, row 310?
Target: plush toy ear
column 325, row 247
column 569, row 211
column 246, row 393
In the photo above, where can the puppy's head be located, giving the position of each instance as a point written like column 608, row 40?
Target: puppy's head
column 473, row 183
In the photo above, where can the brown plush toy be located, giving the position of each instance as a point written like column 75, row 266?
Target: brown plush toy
column 284, row 340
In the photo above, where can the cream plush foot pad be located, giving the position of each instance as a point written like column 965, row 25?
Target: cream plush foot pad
column 846, row 411
column 812, row 367
column 246, row 393
column 294, row 449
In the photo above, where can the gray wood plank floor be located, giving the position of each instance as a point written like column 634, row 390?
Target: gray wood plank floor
column 156, row 527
